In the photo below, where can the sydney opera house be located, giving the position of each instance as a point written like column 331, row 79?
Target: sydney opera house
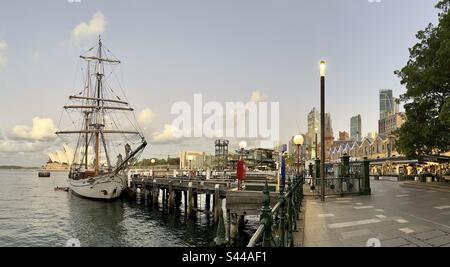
column 60, row 160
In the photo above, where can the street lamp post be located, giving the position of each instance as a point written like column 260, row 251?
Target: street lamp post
column 322, row 125
column 298, row 140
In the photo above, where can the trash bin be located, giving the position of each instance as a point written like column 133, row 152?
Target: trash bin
column 429, row 179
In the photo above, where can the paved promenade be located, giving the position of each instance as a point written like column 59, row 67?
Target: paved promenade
column 394, row 216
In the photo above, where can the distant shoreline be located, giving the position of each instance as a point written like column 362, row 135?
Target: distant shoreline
column 18, row 168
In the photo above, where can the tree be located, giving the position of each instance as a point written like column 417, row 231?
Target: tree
column 427, row 80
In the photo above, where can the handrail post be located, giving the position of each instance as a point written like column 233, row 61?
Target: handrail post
column 266, row 217
column 291, row 222
column 282, row 225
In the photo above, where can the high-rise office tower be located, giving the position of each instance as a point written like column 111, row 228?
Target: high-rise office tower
column 387, row 103
column 356, row 128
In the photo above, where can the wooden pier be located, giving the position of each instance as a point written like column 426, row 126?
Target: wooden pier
column 223, row 193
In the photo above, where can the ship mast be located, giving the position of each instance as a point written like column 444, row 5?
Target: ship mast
column 94, row 106
column 97, row 125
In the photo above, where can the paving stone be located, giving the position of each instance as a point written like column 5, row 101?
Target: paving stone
column 357, row 233
column 409, row 246
column 397, row 242
column 429, row 235
column 439, row 241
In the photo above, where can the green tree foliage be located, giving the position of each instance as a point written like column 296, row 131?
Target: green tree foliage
column 158, row 162
column 427, row 79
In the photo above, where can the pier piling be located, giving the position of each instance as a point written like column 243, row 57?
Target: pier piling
column 190, row 200
column 233, row 228
column 138, row 196
column 155, row 193
column 207, row 202
column 217, row 203
column 171, row 196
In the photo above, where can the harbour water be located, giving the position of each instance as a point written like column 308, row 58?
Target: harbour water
column 33, row 214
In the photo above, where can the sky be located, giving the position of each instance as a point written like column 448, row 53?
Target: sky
column 234, row 50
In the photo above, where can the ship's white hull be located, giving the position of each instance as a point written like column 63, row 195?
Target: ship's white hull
column 100, row 188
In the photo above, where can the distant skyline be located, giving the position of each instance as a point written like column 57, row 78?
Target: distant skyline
column 224, row 50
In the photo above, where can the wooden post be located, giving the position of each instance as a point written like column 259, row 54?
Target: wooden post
column 233, row 228
column 217, row 203
column 171, row 196
column 195, row 195
column 138, row 196
column 241, row 223
column 177, row 198
column 155, row 193
column 191, row 200
column 185, row 202
column 164, row 197
column 208, row 202
column 220, row 239
column 145, row 197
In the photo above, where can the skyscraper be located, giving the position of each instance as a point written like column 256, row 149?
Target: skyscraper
column 329, row 135
column 355, row 128
column 387, row 103
column 314, row 122
column 313, row 129
column 328, row 126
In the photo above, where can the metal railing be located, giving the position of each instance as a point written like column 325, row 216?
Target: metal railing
column 278, row 224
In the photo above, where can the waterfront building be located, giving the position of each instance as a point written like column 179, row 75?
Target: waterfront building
column 390, row 124
column 344, row 136
column 376, row 148
column 200, row 160
column 261, row 159
column 356, row 128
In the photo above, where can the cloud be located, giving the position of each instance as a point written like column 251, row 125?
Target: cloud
column 146, row 118
column 167, row 136
column 258, row 96
column 86, row 31
column 42, row 130
column 3, row 57
column 11, row 146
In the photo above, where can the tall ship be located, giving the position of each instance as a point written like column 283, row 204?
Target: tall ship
column 103, row 129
